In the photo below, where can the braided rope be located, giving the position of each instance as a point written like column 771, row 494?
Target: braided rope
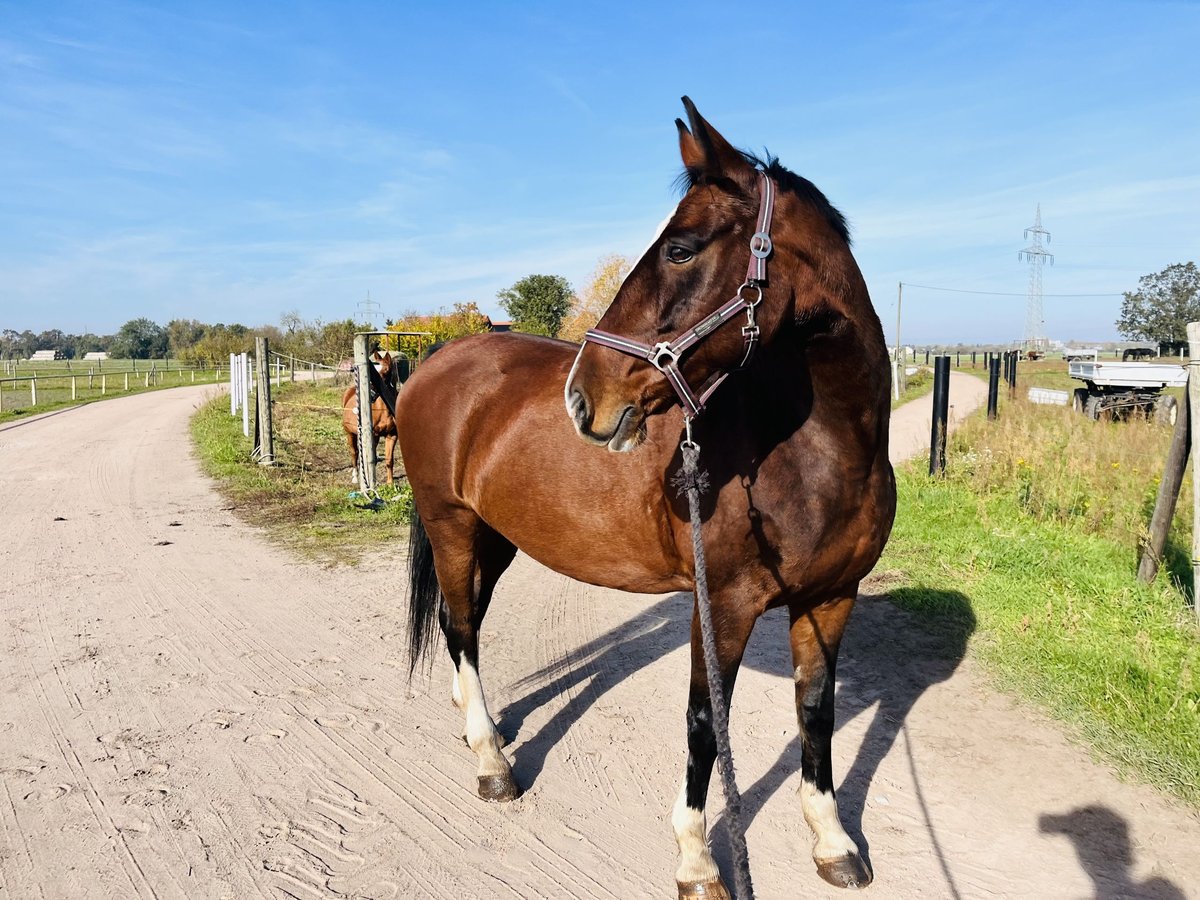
column 695, row 482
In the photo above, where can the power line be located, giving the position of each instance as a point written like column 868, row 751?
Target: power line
column 930, row 287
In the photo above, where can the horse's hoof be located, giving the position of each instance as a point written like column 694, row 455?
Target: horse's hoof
column 709, row 890
column 845, row 871
column 498, row 788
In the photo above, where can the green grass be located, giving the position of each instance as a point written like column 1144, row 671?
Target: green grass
column 55, row 392
column 1038, row 524
column 304, row 502
column 916, row 386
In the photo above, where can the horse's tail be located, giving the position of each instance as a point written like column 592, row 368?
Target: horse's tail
column 424, row 594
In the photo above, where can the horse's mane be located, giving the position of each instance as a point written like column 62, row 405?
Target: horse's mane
column 788, row 181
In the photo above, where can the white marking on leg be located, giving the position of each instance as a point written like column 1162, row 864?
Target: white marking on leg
column 820, row 811
column 456, row 691
column 482, row 736
column 691, row 834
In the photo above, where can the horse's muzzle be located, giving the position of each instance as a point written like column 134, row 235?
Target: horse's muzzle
column 621, row 430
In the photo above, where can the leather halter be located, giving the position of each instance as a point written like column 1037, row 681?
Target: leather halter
column 665, row 355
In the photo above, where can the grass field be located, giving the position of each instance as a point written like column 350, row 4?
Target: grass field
column 304, row 501
column 54, row 390
column 1038, row 524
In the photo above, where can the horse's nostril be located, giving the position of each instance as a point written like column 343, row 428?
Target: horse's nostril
column 579, row 407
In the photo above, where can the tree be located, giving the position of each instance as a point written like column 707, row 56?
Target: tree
column 461, row 320
column 592, row 302
column 183, row 334
column 1163, row 304
column 139, row 339
column 537, row 303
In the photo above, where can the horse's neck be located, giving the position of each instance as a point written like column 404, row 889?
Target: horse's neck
column 840, row 379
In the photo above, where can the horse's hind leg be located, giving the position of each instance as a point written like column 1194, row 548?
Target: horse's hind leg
column 470, row 559
column 816, row 634
column 697, row 874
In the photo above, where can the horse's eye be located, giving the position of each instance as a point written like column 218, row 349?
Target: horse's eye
column 678, row 254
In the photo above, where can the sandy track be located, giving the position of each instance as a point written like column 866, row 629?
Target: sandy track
column 186, row 711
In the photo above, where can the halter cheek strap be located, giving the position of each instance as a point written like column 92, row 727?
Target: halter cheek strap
column 665, row 355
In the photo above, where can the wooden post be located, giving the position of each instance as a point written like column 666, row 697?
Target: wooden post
column 266, row 441
column 33, row 391
column 1193, row 390
column 73, row 394
column 1168, row 494
column 103, row 384
column 126, row 381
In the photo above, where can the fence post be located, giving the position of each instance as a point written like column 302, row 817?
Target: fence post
column 1168, row 494
column 244, row 399
column 103, row 384
column 266, row 440
column 73, row 393
column 993, row 388
column 33, row 391
column 366, row 427
column 941, row 415
column 1193, row 390
column 233, row 391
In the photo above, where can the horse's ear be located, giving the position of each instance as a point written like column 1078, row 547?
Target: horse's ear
column 706, row 152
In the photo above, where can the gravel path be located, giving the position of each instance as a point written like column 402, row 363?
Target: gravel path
column 187, row 711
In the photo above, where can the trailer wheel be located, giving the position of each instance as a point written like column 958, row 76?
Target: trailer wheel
column 1091, row 408
column 1166, row 411
column 1079, row 400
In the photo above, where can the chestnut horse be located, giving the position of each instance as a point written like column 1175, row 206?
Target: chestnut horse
column 384, row 387
column 800, row 495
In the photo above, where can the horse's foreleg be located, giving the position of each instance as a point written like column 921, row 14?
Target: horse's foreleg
column 467, row 589
column 389, row 457
column 352, row 440
column 697, row 874
column 816, row 634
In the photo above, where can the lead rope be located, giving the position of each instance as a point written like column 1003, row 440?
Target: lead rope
column 695, row 482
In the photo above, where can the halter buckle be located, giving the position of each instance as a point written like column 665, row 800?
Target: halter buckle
column 658, row 351
column 687, row 440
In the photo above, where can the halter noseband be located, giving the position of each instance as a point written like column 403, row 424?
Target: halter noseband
column 665, row 355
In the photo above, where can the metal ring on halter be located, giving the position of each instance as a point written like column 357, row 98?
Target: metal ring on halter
column 751, row 284
column 760, row 245
column 663, row 348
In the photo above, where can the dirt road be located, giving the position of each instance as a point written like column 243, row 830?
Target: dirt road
column 186, row 711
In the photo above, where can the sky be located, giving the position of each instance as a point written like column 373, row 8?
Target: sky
column 234, row 162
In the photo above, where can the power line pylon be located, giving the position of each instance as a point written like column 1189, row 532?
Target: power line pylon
column 1036, row 255
column 369, row 311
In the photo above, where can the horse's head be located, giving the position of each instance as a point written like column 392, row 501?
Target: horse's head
column 689, row 312
column 383, row 364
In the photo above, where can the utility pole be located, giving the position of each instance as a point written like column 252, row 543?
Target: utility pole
column 898, row 383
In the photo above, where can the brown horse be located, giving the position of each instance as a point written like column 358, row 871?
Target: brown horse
column 384, row 386
column 801, row 495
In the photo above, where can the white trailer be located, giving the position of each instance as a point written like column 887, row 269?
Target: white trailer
column 1114, row 389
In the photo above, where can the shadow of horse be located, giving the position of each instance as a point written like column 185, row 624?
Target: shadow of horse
column 888, row 659
column 1101, row 839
